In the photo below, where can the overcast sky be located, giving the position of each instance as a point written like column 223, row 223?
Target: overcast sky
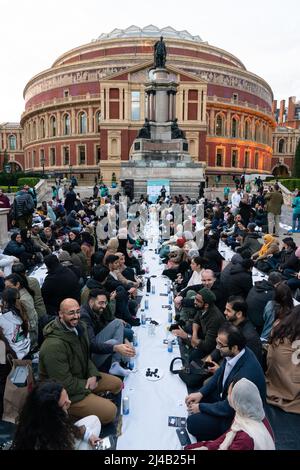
column 263, row 34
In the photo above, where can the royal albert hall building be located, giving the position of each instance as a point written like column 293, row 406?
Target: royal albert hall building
column 83, row 114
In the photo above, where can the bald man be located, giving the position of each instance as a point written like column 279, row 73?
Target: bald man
column 65, row 357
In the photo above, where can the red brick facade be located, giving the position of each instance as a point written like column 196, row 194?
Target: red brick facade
column 86, row 103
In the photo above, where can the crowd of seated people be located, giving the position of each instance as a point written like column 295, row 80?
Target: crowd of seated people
column 82, row 316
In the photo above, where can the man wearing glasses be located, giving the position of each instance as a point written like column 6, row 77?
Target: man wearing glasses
column 65, row 357
column 210, row 413
column 106, row 333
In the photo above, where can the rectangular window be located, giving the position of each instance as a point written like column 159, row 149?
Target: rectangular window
column 234, row 158
column 98, row 154
column 247, row 159
column 256, row 160
column 66, row 155
column 81, row 154
column 135, row 105
column 33, row 159
column 114, row 103
column 219, row 157
column 42, row 157
column 52, row 157
column 192, row 105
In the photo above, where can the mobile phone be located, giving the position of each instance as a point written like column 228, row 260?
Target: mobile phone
column 105, row 444
column 208, row 364
column 183, row 437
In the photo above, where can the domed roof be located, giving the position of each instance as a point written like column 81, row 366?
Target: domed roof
column 148, row 31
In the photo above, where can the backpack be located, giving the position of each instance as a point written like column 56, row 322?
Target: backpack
column 28, row 206
column 193, row 374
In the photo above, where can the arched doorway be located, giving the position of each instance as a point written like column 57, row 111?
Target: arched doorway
column 281, row 171
column 15, row 166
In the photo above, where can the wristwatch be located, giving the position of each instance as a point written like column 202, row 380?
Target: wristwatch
column 189, row 337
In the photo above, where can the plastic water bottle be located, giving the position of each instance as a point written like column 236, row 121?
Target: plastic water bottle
column 135, row 340
column 148, row 285
column 170, row 316
column 153, row 289
column 125, row 404
column 170, row 345
column 146, row 303
column 170, row 299
column 143, row 317
column 131, row 363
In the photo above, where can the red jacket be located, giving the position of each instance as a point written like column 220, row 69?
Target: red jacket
column 242, row 441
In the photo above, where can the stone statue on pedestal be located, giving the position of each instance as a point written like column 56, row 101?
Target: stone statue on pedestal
column 145, row 131
column 160, row 54
column 177, row 133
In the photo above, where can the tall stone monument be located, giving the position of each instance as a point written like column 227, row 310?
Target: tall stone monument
column 160, row 150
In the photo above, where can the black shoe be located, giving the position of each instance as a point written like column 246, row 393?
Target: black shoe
column 135, row 322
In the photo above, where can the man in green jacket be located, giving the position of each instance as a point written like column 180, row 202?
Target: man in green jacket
column 274, row 201
column 65, row 357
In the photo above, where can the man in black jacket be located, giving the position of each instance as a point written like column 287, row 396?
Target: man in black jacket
column 259, row 296
column 236, row 313
column 106, row 333
column 60, row 284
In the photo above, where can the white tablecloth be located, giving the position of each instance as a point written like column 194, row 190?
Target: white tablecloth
column 151, row 403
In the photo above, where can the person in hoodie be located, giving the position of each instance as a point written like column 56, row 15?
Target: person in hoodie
column 240, row 280
column 14, row 329
column 258, row 297
column 250, row 243
column 66, row 260
column 59, row 284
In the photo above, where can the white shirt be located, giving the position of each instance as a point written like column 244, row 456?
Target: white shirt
column 230, row 363
column 236, row 199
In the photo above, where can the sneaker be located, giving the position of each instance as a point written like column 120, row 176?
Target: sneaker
column 116, row 369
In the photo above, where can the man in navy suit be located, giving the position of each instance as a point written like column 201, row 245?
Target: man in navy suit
column 211, row 415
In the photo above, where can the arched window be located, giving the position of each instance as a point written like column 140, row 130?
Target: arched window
column 12, row 142
column 256, row 160
column 219, row 125
column 281, row 146
column 247, row 130
column 42, row 128
column 52, row 126
column 98, row 117
column 66, row 124
column 234, row 128
column 34, row 130
column 257, row 136
column 82, row 123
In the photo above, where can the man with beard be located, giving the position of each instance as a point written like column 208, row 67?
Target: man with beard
column 236, row 313
column 210, row 412
column 65, row 357
column 106, row 333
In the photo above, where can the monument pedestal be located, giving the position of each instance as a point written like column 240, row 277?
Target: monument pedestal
column 184, row 176
column 160, row 150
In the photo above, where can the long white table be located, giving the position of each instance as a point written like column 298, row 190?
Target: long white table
column 152, row 402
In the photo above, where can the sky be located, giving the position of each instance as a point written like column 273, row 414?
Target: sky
column 263, row 34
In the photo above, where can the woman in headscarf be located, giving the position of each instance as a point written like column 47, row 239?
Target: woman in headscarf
column 269, row 247
column 250, row 429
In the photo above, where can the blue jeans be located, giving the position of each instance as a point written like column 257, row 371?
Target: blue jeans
column 296, row 222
